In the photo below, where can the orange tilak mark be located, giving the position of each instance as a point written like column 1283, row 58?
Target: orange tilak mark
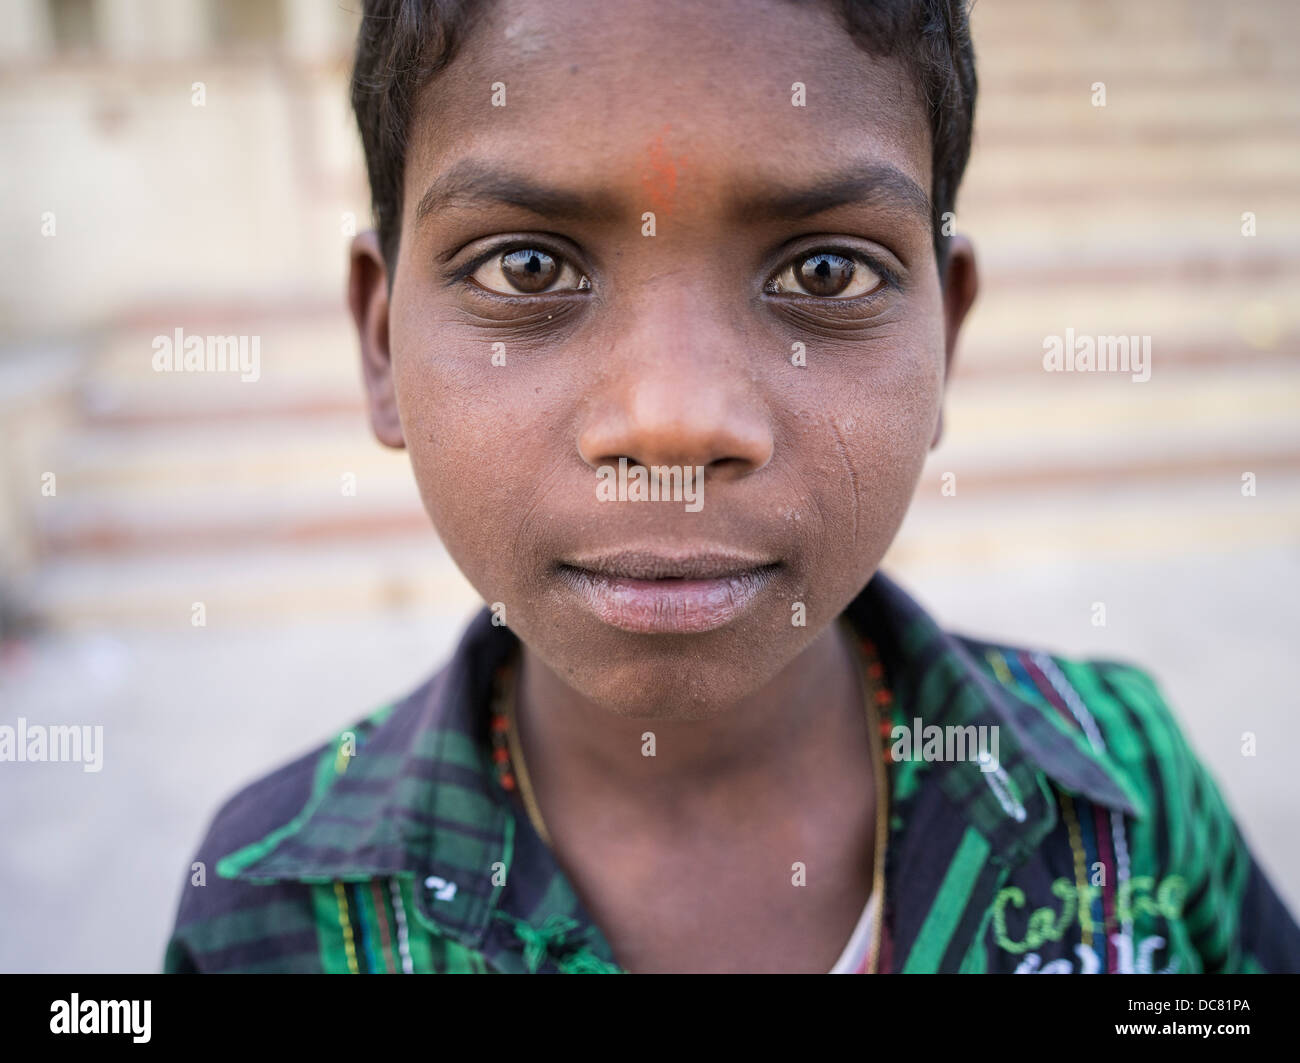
column 660, row 180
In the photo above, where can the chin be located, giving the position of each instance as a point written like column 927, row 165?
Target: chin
column 661, row 677
column 686, row 695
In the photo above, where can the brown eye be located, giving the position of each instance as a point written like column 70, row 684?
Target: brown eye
column 528, row 271
column 828, row 275
column 825, row 274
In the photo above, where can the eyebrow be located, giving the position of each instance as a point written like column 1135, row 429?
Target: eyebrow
column 473, row 182
column 872, row 183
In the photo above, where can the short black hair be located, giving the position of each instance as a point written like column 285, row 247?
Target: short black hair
column 403, row 43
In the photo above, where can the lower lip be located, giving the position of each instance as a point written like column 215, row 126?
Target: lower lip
column 667, row 606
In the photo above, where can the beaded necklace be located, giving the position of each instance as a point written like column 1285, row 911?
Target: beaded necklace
column 512, row 773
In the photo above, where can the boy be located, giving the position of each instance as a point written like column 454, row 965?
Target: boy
column 688, row 255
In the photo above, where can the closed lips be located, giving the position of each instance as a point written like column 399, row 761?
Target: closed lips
column 651, row 593
column 639, row 565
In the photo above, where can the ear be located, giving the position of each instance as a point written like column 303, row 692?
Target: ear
column 368, row 301
column 960, row 285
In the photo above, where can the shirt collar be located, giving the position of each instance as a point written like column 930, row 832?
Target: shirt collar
column 937, row 676
column 419, row 798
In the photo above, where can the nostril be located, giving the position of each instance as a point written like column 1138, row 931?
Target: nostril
column 708, row 428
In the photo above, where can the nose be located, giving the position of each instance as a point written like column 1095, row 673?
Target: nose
column 678, row 391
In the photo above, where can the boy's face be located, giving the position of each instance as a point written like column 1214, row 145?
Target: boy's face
column 773, row 225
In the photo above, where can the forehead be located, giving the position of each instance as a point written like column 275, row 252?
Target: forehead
column 699, row 95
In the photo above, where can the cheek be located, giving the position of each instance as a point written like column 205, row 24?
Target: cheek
column 480, row 439
column 454, row 420
column 894, row 450
column 872, row 444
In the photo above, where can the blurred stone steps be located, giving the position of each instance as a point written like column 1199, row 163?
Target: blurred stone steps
column 251, row 584
column 1191, row 292
column 277, row 583
column 159, row 488
column 1122, row 220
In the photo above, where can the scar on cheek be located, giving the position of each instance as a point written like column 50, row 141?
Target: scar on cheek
column 659, row 178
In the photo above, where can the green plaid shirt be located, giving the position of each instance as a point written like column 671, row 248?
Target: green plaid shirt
column 1099, row 843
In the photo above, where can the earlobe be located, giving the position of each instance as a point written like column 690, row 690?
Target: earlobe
column 368, row 301
column 960, row 286
column 938, row 430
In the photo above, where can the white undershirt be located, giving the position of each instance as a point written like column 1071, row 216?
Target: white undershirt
column 860, row 942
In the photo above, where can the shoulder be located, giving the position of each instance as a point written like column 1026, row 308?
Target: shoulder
column 1184, row 852
column 224, row 924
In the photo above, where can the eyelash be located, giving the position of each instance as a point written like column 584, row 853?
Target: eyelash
column 461, row 274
